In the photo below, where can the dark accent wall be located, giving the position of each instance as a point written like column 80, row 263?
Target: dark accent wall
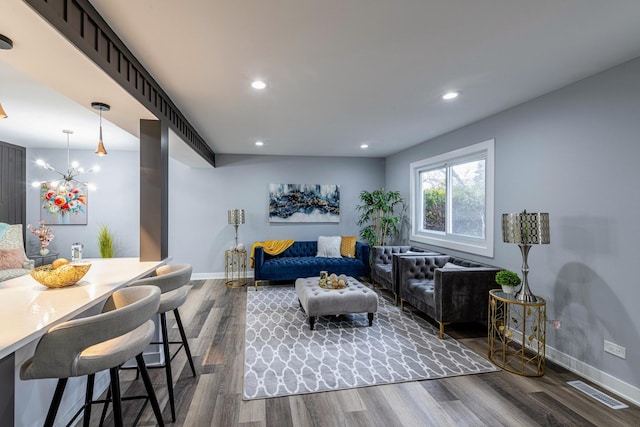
column 13, row 189
column 154, row 189
column 83, row 26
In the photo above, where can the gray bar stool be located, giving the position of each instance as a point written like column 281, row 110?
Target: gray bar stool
column 171, row 279
column 105, row 341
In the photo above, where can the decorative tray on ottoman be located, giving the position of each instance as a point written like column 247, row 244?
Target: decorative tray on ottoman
column 333, row 281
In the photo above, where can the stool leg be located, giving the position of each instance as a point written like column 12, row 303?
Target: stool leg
column 55, row 402
column 149, row 387
column 87, row 400
column 115, row 392
column 105, row 407
column 184, row 341
column 167, row 364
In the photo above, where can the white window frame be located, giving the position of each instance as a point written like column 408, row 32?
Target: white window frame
column 476, row 246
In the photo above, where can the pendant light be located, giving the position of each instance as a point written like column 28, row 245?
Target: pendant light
column 5, row 44
column 100, row 151
column 68, row 176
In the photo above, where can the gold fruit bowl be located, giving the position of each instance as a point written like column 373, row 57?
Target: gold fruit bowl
column 65, row 275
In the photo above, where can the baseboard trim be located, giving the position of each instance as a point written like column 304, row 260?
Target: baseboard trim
column 206, row 276
column 604, row 380
column 596, row 376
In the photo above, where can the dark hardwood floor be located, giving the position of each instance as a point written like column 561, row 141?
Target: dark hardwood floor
column 214, row 317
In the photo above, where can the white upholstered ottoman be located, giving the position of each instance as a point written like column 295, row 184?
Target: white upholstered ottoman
column 317, row 301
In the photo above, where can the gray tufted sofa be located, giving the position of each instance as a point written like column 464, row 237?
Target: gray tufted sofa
column 456, row 293
column 384, row 265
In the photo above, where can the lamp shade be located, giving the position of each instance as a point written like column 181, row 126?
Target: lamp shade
column 235, row 216
column 525, row 228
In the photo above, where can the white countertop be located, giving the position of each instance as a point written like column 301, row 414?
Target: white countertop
column 28, row 309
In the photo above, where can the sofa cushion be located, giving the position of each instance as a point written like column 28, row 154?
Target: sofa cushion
column 329, row 246
column 385, row 272
column 422, row 290
column 310, row 266
column 11, row 258
column 348, row 246
column 12, row 273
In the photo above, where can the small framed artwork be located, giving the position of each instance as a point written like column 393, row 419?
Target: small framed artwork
column 64, row 203
column 304, row 203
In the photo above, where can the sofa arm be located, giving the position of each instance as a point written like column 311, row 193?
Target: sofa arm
column 462, row 294
column 258, row 261
column 29, row 264
column 363, row 254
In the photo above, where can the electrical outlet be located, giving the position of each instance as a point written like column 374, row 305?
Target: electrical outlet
column 615, row 349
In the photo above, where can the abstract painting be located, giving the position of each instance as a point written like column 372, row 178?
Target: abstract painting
column 304, row 203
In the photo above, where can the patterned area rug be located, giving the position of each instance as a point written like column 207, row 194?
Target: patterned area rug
column 284, row 357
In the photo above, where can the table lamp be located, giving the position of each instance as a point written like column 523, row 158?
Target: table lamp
column 235, row 217
column 525, row 229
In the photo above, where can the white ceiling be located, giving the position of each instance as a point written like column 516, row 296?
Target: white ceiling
column 340, row 73
column 47, row 85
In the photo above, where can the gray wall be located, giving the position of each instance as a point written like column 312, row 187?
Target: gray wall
column 572, row 153
column 115, row 203
column 199, row 200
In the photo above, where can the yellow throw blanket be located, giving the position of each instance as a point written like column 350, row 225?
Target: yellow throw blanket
column 272, row 247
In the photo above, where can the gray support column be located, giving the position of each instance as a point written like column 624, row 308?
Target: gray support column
column 7, row 389
column 154, row 183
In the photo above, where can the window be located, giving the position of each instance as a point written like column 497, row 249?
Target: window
column 452, row 199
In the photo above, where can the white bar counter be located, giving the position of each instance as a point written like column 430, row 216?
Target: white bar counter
column 28, row 309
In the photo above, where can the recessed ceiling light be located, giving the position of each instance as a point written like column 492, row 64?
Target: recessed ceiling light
column 259, row 143
column 258, row 84
column 450, row 95
column 364, row 146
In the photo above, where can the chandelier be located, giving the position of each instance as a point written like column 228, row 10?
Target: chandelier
column 68, row 177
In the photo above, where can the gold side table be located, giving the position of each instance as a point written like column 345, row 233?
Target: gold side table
column 509, row 317
column 235, row 268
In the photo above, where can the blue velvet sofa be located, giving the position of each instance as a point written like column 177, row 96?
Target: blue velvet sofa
column 299, row 260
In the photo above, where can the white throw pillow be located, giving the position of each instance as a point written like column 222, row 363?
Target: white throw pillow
column 453, row 266
column 329, row 246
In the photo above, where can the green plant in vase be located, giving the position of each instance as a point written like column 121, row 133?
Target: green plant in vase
column 106, row 242
column 508, row 280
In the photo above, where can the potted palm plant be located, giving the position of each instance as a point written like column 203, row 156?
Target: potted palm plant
column 377, row 215
column 508, row 280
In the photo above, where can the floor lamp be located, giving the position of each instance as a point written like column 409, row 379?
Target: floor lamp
column 525, row 229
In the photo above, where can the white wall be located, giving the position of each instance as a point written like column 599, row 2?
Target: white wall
column 115, row 202
column 573, row 153
column 199, row 200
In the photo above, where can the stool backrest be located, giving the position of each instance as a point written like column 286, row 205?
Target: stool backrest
column 168, row 277
column 58, row 350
